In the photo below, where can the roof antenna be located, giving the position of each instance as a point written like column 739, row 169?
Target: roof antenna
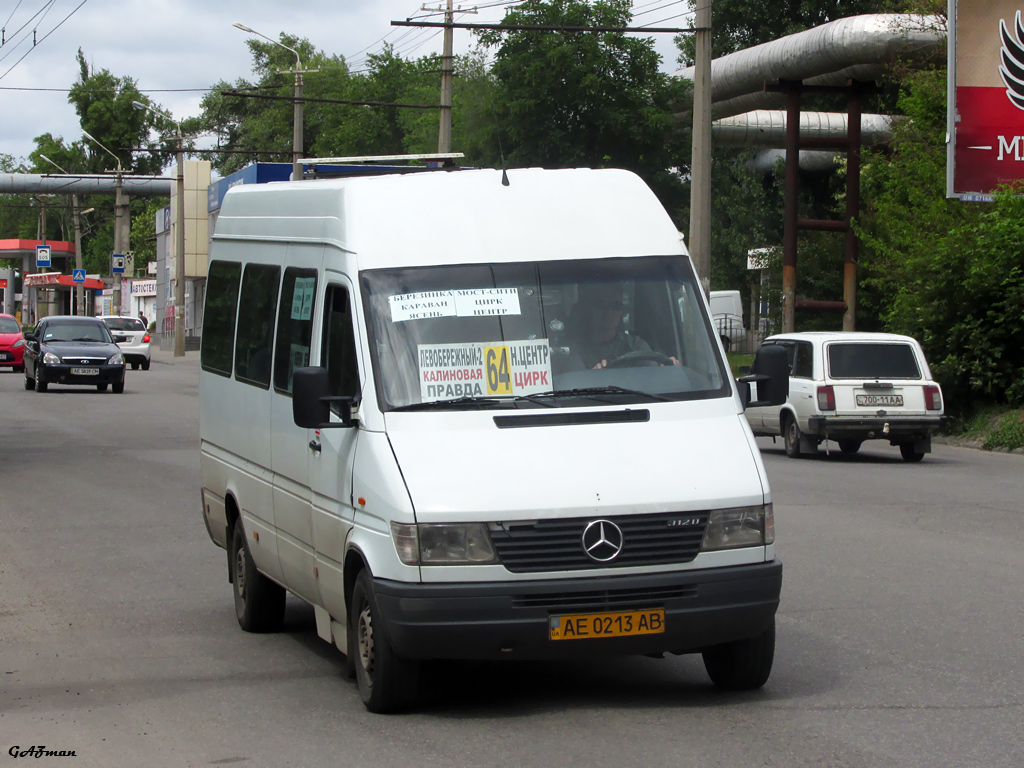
column 501, row 152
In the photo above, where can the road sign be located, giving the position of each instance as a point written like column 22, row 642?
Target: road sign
column 117, row 263
column 78, row 275
column 42, row 255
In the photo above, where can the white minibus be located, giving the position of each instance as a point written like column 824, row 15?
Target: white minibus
column 470, row 419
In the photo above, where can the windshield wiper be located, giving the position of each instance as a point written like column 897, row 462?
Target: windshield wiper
column 477, row 402
column 592, row 392
column 83, row 338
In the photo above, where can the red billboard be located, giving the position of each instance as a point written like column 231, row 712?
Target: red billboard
column 987, row 90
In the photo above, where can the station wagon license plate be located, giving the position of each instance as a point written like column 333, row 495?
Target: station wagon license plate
column 84, row 371
column 581, row 626
column 895, row 401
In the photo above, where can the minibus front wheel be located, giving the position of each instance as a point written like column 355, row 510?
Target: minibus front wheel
column 387, row 682
column 742, row 665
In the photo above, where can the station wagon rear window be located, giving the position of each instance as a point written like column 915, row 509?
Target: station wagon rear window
column 869, row 360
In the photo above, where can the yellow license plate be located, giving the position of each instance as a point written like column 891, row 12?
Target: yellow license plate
column 580, row 626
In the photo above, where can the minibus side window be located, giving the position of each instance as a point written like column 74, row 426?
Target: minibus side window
column 257, row 309
column 294, row 325
column 339, row 347
column 219, row 316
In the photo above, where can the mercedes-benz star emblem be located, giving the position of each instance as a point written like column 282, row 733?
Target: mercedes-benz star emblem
column 602, row 540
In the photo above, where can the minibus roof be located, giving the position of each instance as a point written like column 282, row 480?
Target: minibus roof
column 458, row 216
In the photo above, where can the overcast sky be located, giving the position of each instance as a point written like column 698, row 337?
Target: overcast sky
column 175, row 49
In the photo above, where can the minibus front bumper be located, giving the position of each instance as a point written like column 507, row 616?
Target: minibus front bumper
column 510, row 620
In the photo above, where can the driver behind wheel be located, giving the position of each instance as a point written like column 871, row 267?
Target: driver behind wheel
column 598, row 335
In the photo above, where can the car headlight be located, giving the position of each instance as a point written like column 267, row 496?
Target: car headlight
column 443, row 544
column 19, row 343
column 50, row 359
column 117, row 359
column 739, row 527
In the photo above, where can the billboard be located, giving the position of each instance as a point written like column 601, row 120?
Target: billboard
column 986, row 97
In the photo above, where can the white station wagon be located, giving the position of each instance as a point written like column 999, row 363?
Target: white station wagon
column 852, row 387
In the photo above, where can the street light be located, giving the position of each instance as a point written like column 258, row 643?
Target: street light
column 79, row 287
column 297, row 127
column 179, row 258
column 120, row 241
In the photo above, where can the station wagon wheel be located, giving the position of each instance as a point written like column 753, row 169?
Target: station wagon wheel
column 40, row 384
column 118, row 386
column 29, row 382
column 259, row 602
column 742, row 665
column 909, row 454
column 791, row 436
column 386, row 682
column 850, row 446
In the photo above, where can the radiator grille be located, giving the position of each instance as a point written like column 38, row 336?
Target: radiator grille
column 556, row 545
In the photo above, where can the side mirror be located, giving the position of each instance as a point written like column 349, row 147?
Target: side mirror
column 311, row 400
column 30, row 336
column 770, row 375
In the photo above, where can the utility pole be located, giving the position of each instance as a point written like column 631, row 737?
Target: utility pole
column 444, row 134
column 297, row 169
column 115, row 308
column 179, row 258
column 700, row 169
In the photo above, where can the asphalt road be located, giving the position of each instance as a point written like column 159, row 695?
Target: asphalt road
column 900, row 634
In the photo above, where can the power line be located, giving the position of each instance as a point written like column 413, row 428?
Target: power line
column 75, row 10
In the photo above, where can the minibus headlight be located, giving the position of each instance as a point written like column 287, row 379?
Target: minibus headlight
column 739, row 527
column 443, row 544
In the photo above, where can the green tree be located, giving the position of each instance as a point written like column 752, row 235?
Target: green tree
column 569, row 99
column 945, row 272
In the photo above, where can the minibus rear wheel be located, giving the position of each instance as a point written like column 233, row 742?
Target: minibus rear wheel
column 259, row 602
column 742, row 665
column 386, row 682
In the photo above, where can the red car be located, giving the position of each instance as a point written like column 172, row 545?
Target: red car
column 12, row 344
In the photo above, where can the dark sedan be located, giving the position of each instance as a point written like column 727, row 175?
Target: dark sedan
column 73, row 350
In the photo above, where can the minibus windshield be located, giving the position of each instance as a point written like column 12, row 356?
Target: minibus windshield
column 540, row 334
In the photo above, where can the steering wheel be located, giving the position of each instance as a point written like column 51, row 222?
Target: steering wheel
column 631, row 358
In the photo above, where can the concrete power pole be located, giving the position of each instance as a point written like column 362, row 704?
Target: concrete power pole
column 444, row 135
column 700, row 170
column 115, row 305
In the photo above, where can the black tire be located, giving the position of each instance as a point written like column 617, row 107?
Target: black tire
column 259, row 602
column 19, row 369
column 791, row 436
column 742, row 665
column 145, row 365
column 909, row 454
column 850, row 446
column 30, row 383
column 118, row 387
column 135, row 366
column 386, row 682
column 40, row 384
column 101, row 387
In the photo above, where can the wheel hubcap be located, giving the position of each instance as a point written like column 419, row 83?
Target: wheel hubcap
column 365, row 636
column 240, row 573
